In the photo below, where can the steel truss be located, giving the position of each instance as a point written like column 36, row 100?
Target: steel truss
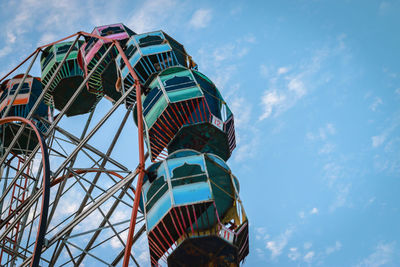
column 88, row 190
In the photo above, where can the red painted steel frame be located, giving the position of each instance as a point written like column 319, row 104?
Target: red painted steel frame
column 141, row 157
column 46, row 189
column 140, row 133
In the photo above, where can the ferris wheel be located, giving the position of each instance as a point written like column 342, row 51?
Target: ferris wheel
column 78, row 187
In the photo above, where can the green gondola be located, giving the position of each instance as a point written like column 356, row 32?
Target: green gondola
column 184, row 109
column 67, row 81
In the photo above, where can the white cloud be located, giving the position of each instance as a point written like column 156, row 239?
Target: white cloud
column 290, row 87
column 242, row 111
column 333, row 171
column 116, row 243
column 330, row 128
column 201, row 18
column 272, row 100
column 261, row 233
column 382, row 255
column 5, row 51
column 224, row 52
column 223, row 62
column 334, row 248
column 260, row 252
column 46, row 38
column 343, row 191
column 276, row 246
column 264, row 70
column 307, row 245
column 327, row 149
column 378, row 140
column 387, row 159
column 282, row 70
column 371, row 200
column 247, row 135
column 322, row 133
column 150, row 16
column 250, row 38
column 242, row 52
column 302, row 215
column 11, row 37
column 314, row 211
column 309, row 256
column 377, row 102
column 142, row 249
column 247, row 144
column 297, row 86
column 294, row 254
column 222, row 77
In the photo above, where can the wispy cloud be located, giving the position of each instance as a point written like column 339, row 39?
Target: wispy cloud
column 327, row 149
column 296, row 85
column 260, row 252
column 247, row 135
column 378, row 140
column 386, row 145
column 201, row 18
column 336, row 247
column 223, row 62
column 342, row 194
column 381, row 256
column 294, row 254
column 277, row 245
column 282, row 70
column 302, row 214
column 307, row 245
column 322, row 133
column 332, row 172
column 309, row 256
column 314, row 211
column 286, row 88
column 264, row 71
column 152, row 14
column 261, row 233
column 376, row 103
column 272, row 100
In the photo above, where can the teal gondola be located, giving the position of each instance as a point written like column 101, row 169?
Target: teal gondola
column 184, row 109
column 67, row 81
column 190, row 198
column 149, row 53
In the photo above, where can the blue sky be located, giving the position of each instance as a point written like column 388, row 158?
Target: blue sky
column 315, row 90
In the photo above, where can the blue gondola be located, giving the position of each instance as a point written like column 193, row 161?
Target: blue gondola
column 192, row 198
column 149, row 53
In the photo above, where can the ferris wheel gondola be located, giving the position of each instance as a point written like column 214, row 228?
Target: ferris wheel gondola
column 67, row 151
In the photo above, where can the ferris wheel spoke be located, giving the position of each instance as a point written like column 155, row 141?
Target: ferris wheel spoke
column 89, row 209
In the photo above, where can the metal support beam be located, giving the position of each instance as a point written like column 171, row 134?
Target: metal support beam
column 89, row 209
